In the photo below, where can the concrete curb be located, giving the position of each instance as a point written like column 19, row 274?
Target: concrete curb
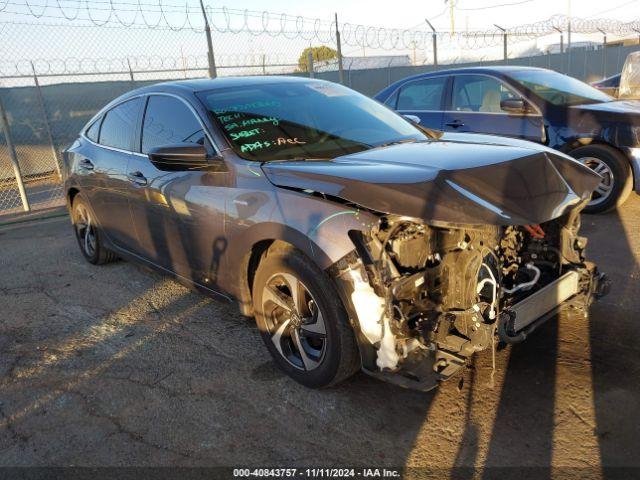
column 34, row 216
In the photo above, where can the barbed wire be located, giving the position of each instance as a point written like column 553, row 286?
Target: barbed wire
column 224, row 20
column 136, row 63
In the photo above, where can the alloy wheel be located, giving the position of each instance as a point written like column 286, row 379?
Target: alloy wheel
column 294, row 321
column 604, row 189
column 85, row 230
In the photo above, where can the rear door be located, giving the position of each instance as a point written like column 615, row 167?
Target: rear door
column 112, row 143
column 423, row 98
column 475, row 108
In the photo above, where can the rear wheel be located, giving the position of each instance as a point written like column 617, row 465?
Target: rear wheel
column 302, row 321
column 617, row 179
column 88, row 234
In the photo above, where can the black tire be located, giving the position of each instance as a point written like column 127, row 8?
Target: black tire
column 340, row 358
column 618, row 180
column 88, row 234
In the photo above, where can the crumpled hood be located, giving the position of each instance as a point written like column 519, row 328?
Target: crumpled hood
column 449, row 182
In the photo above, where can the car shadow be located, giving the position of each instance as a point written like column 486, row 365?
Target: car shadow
column 613, row 333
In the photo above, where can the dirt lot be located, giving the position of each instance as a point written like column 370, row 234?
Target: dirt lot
column 116, row 365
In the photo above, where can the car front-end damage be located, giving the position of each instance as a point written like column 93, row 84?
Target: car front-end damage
column 427, row 298
column 465, row 253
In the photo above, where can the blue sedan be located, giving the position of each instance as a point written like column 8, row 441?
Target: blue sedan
column 533, row 104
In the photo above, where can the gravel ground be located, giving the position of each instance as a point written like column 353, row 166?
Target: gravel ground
column 117, row 365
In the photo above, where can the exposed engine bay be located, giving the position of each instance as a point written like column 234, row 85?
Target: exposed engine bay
column 427, row 297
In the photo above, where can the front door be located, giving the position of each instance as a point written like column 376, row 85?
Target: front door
column 178, row 215
column 475, row 108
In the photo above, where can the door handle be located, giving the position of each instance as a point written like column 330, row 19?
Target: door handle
column 138, row 178
column 86, row 164
column 455, row 124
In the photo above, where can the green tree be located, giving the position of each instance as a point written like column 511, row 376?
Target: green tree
column 320, row 54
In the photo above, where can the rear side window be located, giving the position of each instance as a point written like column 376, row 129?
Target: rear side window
column 93, row 131
column 425, row 94
column 167, row 121
column 119, row 125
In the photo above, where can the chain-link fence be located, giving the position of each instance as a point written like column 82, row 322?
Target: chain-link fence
column 62, row 61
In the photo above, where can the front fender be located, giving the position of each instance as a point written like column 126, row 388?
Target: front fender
column 314, row 225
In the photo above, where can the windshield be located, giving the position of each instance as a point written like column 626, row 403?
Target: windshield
column 283, row 121
column 559, row 89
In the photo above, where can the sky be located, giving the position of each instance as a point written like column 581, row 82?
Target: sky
column 484, row 14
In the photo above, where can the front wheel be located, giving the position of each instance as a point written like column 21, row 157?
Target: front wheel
column 617, row 179
column 302, row 320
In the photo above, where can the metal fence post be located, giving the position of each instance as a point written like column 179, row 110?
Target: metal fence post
column 264, row 64
column 604, row 52
column 310, row 63
column 339, row 50
column 506, row 54
column 4, row 125
column 568, row 72
column 434, row 37
column 504, row 40
column 45, row 117
column 207, row 31
column 133, row 81
column 561, row 38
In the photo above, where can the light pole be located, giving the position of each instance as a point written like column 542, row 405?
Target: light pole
column 452, row 4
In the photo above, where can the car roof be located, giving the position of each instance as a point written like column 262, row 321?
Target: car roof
column 203, row 84
column 500, row 70
column 479, row 69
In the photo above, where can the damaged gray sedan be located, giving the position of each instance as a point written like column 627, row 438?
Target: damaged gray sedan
column 356, row 239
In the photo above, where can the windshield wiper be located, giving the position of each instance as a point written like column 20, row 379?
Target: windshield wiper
column 431, row 132
column 396, row 142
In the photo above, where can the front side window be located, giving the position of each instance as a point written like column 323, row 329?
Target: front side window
column 479, row 93
column 168, row 121
column 392, row 100
column 423, row 94
column 559, row 89
column 311, row 119
column 119, row 125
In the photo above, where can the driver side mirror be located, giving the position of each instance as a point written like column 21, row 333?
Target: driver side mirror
column 514, row 105
column 181, row 157
column 412, row 118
